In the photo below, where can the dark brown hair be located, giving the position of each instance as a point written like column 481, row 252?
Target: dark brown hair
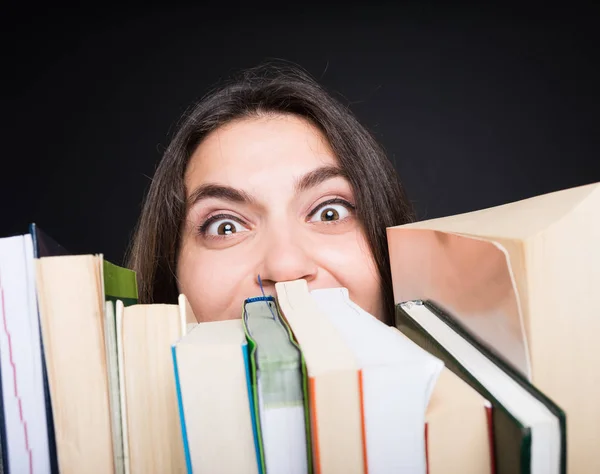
column 278, row 89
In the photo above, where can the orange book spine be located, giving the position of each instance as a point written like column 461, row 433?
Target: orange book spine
column 363, row 430
column 314, row 429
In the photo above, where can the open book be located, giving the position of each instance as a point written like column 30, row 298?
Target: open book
column 523, row 277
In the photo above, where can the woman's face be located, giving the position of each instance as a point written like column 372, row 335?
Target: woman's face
column 266, row 197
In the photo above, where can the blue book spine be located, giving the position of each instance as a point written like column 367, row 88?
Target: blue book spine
column 252, row 407
column 186, row 447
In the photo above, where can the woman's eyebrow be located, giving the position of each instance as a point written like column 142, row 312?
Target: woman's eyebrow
column 219, row 191
column 317, row 176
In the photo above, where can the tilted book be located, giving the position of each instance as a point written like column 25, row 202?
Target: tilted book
column 523, row 277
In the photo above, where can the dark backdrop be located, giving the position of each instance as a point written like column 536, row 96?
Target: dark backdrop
column 475, row 108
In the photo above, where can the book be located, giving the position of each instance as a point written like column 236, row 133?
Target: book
column 114, row 387
column 334, row 383
column 71, row 297
column 212, row 381
column 535, row 295
column 279, row 390
column 148, row 400
column 458, row 428
column 471, row 278
column 71, row 303
column 43, row 244
column 24, row 433
column 46, row 246
column 3, row 439
column 120, row 287
column 393, row 409
column 529, row 428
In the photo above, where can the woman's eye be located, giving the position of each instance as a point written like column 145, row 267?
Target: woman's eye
column 222, row 227
column 330, row 212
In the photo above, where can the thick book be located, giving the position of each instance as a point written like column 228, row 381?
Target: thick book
column 71, row 308
column 151, row 435
column 397, row 378
column 524, row 278
column 529, row 428
column 334, row 383
column 211, row 373
column 279, row 390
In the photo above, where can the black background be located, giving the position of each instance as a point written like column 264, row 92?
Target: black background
column 475, row 107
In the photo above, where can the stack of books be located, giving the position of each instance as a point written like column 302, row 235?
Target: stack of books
column 491, row 366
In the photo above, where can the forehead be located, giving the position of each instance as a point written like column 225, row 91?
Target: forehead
column 276, row 143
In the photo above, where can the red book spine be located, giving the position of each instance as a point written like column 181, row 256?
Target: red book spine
column 490, row 422
column 427, row 451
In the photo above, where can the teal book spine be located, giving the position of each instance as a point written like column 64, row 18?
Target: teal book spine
column 186, row 447
column 253, row 408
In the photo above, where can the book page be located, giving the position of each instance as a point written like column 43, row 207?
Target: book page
column 470, row 278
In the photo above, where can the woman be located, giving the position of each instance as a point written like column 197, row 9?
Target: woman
column 268, row 176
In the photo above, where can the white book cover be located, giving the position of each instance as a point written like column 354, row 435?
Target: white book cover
column 21, row 359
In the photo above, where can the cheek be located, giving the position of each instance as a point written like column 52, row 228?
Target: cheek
column 212, row 285
column 350, row 264
column 216, row 282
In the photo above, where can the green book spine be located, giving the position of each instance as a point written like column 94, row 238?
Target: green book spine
column 252, row 352
column 304, row 386
column 119, row 284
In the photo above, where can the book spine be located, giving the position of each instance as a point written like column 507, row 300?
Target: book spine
column 253, row 408
column 363, row 427
column 426, row 449
column 41, row 248
column 3, row 441
column 186, row 447
column 490, row 423
column 314, row 426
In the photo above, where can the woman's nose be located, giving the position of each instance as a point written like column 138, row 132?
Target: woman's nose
column 287, row 257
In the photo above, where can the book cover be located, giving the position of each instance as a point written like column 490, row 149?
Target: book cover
column 24, row 401
column 512, row 440
column 3, row 443
column 46, row 246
